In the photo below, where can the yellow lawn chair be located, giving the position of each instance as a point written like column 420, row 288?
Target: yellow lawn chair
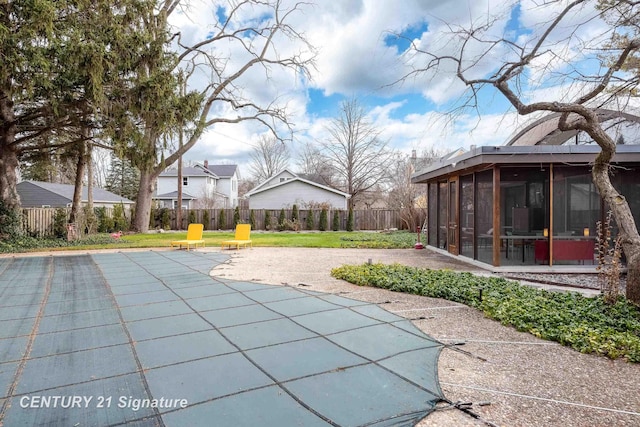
column 242, row 237
column 194, row 237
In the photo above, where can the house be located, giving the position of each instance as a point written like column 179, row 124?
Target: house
column 285, row 189
column 36, row 194
column 532, row 201
column 204, row 186
column 227, row 181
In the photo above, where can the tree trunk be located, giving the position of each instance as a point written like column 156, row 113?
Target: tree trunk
column 8, row 155
column 8, row 176
column 77, row 191
column 633, row 279
column 622, row 214
column 179, row 207
column 90, row 178
column 143, row 201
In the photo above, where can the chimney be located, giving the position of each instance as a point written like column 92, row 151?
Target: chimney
column 206, row 164
column 413, row 154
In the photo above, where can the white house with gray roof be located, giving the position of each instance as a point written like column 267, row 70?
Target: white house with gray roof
column 212, row 186
column 285, row 189
column 37, row 194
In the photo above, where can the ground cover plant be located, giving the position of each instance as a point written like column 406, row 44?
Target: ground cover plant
column 586, row 324
column 25, row 243
column 392, row 240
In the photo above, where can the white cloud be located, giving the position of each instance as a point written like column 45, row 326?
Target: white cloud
column 356, row 59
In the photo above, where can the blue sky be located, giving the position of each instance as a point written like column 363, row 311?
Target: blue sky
column 360, row 56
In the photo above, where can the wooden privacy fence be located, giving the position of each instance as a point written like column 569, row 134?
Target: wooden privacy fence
column 40, row 221
column 370, row 219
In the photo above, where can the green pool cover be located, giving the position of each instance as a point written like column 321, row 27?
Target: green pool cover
column 150, row 339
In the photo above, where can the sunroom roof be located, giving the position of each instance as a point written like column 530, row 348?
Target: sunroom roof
column 537, row 154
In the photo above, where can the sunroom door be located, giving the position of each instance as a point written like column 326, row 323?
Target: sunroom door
column 453, row 234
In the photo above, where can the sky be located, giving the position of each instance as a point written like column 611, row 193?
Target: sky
column 363, row 53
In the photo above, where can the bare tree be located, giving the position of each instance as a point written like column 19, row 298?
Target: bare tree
column 258, row 53
column 355, row 151
column 506, row 62
column 101, row 165
column 268, row 157
column 403, row 194
column 209, row 199
column 312, row 164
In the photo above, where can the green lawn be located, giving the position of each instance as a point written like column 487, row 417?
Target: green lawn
column 325, row 239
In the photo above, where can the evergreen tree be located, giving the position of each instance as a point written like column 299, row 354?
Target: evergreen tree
column 324, row 220
column 336, row 221
column 206, row 219
column 281, row 219
column 236, row 216
column 310, row 223
column 119, row 218
column 267, row 220
column 222, row 220
column 350, row 220
column 123, row 178
column 252, row 219
column 294, row 213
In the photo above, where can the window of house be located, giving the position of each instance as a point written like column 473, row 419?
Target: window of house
column 185, row 181
column 234, row 185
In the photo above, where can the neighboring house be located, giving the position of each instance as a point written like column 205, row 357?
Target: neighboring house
column 203, row 186
column 170, row 200
column 36, row 194
column 227, row 181
column 285, row 189
column 531, row 202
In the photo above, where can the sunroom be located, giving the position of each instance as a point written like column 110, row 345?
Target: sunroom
column 530, row 202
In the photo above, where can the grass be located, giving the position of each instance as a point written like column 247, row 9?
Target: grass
column 588, row 325
column 326, row 239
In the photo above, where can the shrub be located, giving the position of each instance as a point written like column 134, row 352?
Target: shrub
column 119, row 219
column 323, row 224
column 335, row 226
column 25, row 243
column 90, row 220
column 350, row 220
column 60, row 223
column 310, row 223
column 252, row 219
column 9, row 222
column 105, row 222
column 281, row 219
column 192, row 216
column 291, row 225
column 222, row 220
column 206, row 220
column 267, row 220
column 165, row 218
column 152, row 218
column 236, row 216
column 294, row 213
